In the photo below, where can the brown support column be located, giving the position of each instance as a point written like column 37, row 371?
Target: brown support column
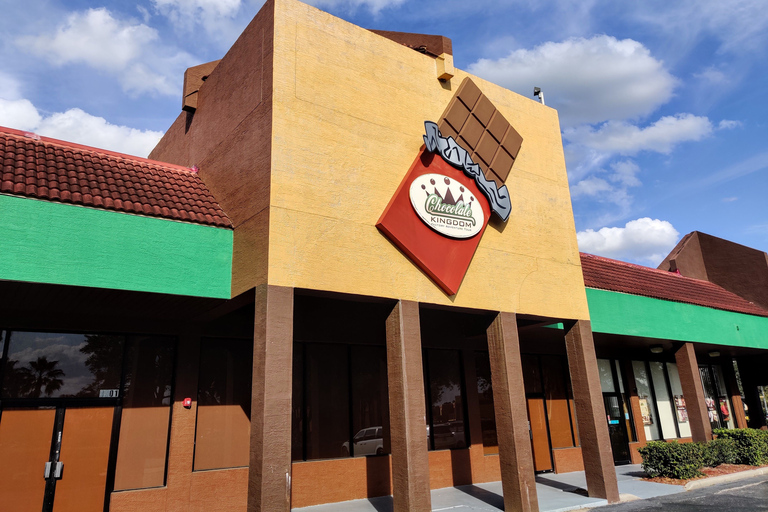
column 269, row 476
column 407, row 410
column 518, row 482
column 693, row 392
column 590, row 413
column 734, row 393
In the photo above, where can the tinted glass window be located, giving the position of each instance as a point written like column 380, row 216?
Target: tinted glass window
column 445, row 398
column 146, row 413
column 223, row 404
column 487, row 413
column 370, row 402
column 339, row 393
column 51, row 365
column 327, row 401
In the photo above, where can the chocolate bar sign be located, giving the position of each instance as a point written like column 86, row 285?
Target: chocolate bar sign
column 446, row 206
column 441, row 208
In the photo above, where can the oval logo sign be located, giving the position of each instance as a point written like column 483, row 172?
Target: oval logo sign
column 446, row 206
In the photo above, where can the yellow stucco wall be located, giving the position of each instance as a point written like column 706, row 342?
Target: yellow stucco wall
column 348, row 119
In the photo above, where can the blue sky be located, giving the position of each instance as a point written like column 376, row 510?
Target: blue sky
column 663, row 105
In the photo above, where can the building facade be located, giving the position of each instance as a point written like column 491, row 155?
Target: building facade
column 347, row 270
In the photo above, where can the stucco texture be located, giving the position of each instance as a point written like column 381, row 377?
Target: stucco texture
column 73, row 245
column 348, row 117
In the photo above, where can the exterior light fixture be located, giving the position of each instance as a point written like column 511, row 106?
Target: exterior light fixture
column 657, row 349
column 538, row 94
column 714, row 353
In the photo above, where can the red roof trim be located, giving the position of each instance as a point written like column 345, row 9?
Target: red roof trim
column 90, row 149
column 620, row 276
column 53, row 170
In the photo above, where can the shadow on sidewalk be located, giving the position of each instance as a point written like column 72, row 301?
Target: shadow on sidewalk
column 487, row 497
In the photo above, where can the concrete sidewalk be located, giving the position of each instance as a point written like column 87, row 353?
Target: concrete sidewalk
column 557, row 492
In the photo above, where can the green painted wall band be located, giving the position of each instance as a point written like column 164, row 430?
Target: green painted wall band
column 56, row 243
column 634, row 315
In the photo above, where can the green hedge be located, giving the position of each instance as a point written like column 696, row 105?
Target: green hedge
column 720, row 451
column 673, row 459
column 685, row 460
column 751, row 445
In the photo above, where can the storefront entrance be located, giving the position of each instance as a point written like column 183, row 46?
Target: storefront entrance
column 65, row 400
column 55, row 458
column 617, row 429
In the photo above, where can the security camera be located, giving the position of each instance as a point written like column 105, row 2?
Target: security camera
column 538, row 94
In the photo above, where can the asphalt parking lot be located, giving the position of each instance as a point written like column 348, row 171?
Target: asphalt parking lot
column 748, row 495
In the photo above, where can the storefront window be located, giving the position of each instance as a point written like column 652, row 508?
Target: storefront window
column 62, row 365
column 340, row 401
column 716, row 397
column 543, row 375
column 560, row 414
column 664, row 403
column 606, row 375
column 222, row 439
column 445, row 399
column 681, row 411
column 487, row 413
column 647, row 403
column 146, row 413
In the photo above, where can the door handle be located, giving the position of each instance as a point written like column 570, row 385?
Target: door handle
column 58, row 469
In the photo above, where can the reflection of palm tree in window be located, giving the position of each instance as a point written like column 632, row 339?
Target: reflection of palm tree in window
column 44, row 375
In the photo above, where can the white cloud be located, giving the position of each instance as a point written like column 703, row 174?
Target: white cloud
column 74, row 125
column 95, row 38
column 125, row 48
column 628, row 139
column 590, row 187
column 727, row 124
column 641, row 240
column 19, row 114
column 586, row 80
column 187, row 13
column 10, row 88
column 740, row 25
column 713, row 76
column 375, row 6
column 730, row 199
column 625, row 173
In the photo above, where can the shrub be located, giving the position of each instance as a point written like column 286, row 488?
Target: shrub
column 720, row 451
column 751, row 445
column 673, row 459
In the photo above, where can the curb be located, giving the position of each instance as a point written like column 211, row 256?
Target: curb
column 706, row 482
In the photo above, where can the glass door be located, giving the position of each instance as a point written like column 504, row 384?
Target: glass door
column 58, row 399
column 617, row 429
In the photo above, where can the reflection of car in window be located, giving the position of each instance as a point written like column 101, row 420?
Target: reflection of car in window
column 449, row 435
column 368, row 441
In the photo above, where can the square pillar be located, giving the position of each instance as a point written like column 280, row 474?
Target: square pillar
column 518, row 481
column 693, row 391
column 590, row 413
column 269, row 475
column 734, row 394
column 407, row 410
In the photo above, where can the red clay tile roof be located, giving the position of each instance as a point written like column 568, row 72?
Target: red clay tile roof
column 619, row 276
column 55, row 170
